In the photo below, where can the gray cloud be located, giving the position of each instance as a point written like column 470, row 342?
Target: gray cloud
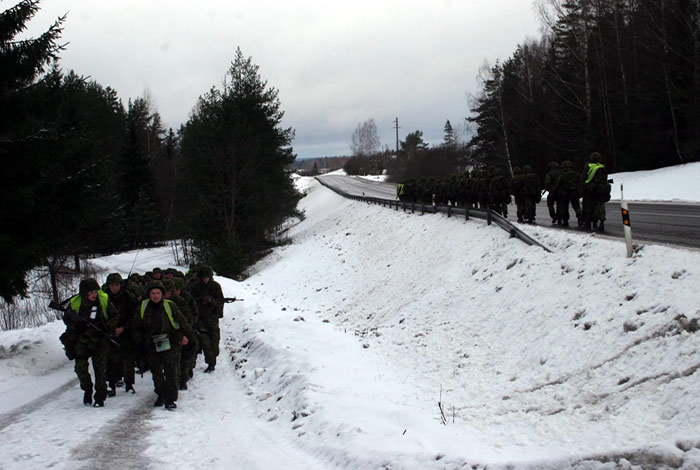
column 335, row 64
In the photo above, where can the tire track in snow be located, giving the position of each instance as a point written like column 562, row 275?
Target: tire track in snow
column 122, row 442
column 11, row 417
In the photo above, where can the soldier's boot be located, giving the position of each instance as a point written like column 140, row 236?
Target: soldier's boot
column 112, row 390
column 191, row 373
column 130, row 388
column 120, row 383
column 183, row 385
column 87, row 398
column 159, row 401
column 210, row 368
column 601, row 226
column 170, row 406
column 99, row 403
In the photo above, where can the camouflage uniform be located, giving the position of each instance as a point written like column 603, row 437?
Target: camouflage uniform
column 553, row 195
column 89, row 343
column 517, row 190
column 188, row 307
column 531, row 193
column 569, row 193
column 153, row 320
column 210, row 305
column 122, row 359
column 596, row 192
column 499, row 192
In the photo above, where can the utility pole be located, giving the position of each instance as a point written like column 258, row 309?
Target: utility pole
column 396, row 126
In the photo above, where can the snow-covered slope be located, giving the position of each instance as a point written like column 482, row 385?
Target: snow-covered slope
column 383, row 339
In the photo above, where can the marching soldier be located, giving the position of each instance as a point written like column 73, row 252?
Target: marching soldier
column 210, row 304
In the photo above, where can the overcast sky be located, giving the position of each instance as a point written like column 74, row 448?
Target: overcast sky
column 335, row 64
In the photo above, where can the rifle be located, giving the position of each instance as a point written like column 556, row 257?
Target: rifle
column 78, row 319
column 227, row 300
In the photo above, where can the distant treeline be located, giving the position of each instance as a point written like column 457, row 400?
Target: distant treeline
column 314, row 165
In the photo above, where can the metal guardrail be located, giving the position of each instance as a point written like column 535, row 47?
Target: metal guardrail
column 486, row 214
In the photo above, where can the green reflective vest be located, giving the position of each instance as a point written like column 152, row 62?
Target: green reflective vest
column 76, row 301
column 592, row 169
column 168, row 311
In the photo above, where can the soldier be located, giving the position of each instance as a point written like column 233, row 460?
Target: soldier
column 518, row 193
column 188, row 307
column 569, row 193
column 121, row 359
column 550, row 185
column 499, row 192
column 596, row 192
column 162, row 328
column 210, row 304
column 531, row 193
column 92, row 305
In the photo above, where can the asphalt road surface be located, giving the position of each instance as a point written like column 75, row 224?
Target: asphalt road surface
column 661, row 222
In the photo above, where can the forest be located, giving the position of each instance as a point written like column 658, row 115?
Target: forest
column 85, row 174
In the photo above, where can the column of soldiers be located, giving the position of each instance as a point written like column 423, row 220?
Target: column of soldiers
column 491, row 188
column 157, row 322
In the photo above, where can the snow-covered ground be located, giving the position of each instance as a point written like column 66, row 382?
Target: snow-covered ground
column 381, row 339
column 676, row 183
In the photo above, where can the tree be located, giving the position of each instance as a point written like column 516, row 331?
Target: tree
column 365, row 140
column 449, row 139
column 25, row 137
column 235, row 154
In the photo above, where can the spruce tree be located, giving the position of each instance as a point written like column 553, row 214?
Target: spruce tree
column 25, row 143
column 235, row 155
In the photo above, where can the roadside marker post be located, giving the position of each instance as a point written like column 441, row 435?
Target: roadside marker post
column 626, row 223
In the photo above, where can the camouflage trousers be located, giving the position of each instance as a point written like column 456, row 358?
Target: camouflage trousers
column 209, row 342
column 121, row 362
column 188, row 360
column 165, row 370
column 98, row 354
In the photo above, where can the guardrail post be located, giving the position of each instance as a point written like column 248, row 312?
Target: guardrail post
column 466, row 213
column 413, row 208
column 422, row 209
column 488, row 216
column 449, row 211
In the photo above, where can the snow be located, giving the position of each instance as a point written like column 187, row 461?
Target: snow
column 352, row 338
column 676, row 183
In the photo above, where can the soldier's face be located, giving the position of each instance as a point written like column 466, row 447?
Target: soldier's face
column 114, row 287
column 92, row 295
column 205, row 279
column 156, row 295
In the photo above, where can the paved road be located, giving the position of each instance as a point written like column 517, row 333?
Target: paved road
column 672, row 223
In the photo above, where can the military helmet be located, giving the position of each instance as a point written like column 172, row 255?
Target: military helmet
column 595, row 157
column 169, row 286
column 87, row 285
column 206, row 271
column 155, row 285
column 179, row 283
column 552, row 165
column 566, row 164
column 114, row 278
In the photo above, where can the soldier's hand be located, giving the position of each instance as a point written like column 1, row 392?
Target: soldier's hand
column 119, row 331
column 184, row 341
